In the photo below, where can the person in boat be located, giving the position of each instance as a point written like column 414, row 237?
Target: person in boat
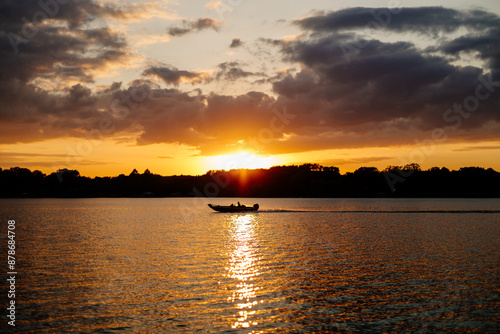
column 239, row 204
column 232, row 205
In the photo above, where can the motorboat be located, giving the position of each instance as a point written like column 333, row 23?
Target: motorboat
column 234, row 208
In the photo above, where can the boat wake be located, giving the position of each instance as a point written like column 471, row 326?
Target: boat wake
column 377, row 211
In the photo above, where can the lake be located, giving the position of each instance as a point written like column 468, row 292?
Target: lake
column 172, row 265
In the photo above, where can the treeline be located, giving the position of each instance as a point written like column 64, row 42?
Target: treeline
column 307, row 180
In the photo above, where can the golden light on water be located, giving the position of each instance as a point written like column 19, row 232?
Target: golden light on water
column 257, row 272
column 243, row 266
column 240, row 159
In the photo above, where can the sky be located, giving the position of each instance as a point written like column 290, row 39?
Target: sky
column 182, row 87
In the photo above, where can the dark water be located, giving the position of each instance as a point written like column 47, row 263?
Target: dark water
column 299, row 265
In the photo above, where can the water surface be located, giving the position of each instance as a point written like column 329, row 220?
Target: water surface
column 299, row 265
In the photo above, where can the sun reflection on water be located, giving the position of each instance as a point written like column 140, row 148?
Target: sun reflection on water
column 243, row 266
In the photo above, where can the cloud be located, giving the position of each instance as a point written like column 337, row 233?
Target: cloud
column 53, row 45
column 350, row 82
column 73, row 13
column 476, row 148
column 205, row 121
column 232, row 71
column 43, row 160
column 236, row 42
column 487, row 45
column 417, row 19
column 355, row 25
column 62, row 53
column 152, row 114
column 348, row 90
column 189, row 26
column 11, row 155
column 174, row 76
column 48, row 56
column 213, row 123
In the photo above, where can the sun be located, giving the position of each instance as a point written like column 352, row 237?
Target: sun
column 240, row 159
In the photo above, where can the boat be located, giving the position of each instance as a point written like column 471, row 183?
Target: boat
column 234, row 208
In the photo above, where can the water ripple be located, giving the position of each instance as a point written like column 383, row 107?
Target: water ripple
column 122, row 266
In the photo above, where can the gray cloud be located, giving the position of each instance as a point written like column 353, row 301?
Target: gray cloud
column 388, row 94
column 172, row 75
column 231, row 70
column 418, row 19
column 192, row 26
column 60, row 48
column 73, row 13
column 389, row 82
column 487, row 45
column 61, row 53
column 236, row 42
column 36, row 56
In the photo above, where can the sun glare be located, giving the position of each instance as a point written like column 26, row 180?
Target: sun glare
column 240, row 160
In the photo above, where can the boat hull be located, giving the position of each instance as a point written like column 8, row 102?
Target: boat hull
column 223, row 208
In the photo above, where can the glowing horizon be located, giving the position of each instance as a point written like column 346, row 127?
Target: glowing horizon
column 241, row 159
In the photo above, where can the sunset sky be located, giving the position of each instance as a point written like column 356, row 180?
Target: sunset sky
column 181, row 87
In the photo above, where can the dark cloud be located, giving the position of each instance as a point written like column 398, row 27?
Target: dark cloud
column 41, row 42
column 213, row 123
column 34, row 114
column 352, row 83
column 208, row 122
column 417, row 19
column 74, row 14
column 487, row 45
column 349, row 30
column 236, row 42
column 232, row 71
column 160, row 115
column 192, row 26
column 351, row 90
column 45, row 48
column 174, row 76
column 61, row 53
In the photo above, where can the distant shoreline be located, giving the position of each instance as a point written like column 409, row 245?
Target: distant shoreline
column 304, row 181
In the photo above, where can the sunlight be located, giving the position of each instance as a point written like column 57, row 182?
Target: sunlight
column 243, row 267
column 240, row 159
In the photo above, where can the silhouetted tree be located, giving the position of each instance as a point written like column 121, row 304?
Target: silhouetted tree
column 307, row 180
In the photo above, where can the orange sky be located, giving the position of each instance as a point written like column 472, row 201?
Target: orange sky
column 181, row 88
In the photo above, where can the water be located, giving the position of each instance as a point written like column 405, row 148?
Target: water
column 299, row 265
